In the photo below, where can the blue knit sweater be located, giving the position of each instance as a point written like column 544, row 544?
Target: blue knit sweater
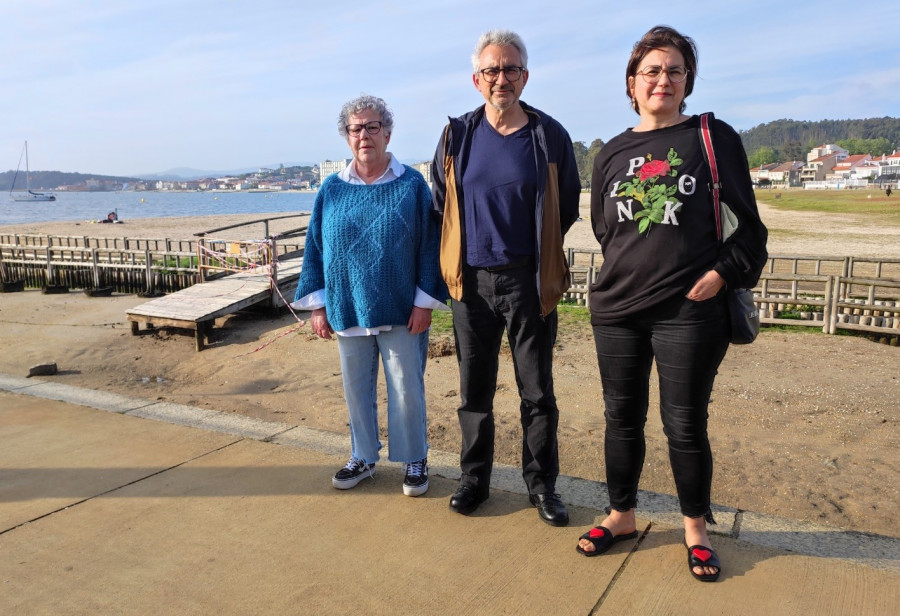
column 370, row 246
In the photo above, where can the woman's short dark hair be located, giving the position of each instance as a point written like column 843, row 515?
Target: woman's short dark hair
column 657, row 38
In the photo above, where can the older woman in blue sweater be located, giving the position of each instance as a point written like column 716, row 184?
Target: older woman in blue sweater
column 371, row 275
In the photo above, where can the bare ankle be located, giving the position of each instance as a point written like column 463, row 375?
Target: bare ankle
column 620, row 521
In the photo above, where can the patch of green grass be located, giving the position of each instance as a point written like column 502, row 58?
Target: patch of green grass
column 441, row 323
column 576, row 319
column 791, row 329
column 571, row 315
column 867, row 203
column 171, row 264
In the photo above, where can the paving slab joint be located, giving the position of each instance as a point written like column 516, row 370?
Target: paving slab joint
column 621, row 570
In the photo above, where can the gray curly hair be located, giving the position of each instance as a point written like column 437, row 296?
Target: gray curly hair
column 499, row 37
column 363, row 103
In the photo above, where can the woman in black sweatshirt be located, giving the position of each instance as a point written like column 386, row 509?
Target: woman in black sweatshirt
column 660, row 293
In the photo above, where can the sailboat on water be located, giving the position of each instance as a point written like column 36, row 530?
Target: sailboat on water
column 28, row 195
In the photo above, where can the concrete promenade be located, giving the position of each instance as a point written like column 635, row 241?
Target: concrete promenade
column 118, row 505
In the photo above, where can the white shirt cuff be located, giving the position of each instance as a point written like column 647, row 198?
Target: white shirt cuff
column 423, row 300
column 313, row 301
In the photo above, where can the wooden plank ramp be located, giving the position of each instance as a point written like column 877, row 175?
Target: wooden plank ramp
column 197, row 307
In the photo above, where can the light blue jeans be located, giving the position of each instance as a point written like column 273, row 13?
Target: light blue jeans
column 403, row 356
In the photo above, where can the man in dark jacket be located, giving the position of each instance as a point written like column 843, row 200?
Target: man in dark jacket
column 507, row 187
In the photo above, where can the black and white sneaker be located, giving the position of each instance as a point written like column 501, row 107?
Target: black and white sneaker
column 354, row 472
column 416, row 481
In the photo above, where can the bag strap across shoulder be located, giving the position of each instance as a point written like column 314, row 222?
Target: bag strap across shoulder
column 709, row 151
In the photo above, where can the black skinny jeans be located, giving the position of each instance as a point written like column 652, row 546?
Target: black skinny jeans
column 688, row 340
column 507, row 300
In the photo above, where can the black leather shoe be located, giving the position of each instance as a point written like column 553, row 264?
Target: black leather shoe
column 551, row 508
column 466, row 500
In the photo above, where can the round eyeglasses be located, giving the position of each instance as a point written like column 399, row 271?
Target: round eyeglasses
column 512, row 73
column 372, row 128
column 652, row 74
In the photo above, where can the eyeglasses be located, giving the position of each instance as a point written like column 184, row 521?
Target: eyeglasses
column 676, row 74
column 512, row 73
column 373, row 128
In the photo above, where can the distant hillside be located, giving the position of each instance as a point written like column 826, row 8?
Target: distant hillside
column 187, row 173
column 49, row 180
column 792, row 139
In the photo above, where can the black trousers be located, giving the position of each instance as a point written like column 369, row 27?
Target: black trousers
column 506, row 300
column 688, row 340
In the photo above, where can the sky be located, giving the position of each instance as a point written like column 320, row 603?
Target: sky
column 135, row 87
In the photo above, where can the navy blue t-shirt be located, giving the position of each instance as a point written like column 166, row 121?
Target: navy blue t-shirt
column 499, row 192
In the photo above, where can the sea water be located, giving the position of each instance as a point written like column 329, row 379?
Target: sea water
column 93, row 206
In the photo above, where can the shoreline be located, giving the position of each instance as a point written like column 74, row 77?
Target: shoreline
column 166, row 227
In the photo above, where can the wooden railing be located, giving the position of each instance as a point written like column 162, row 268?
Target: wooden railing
column 220, row 256
column 830, row 293
column 124, row 270
column 83, row 241
column 128, row 265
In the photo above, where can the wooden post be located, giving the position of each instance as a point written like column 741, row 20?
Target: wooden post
column 4, row 276
column 200, row 243
column 591, row 276
column 272, row 248
column 149, row 269
column 49, row 266
column 828, row 309
column 96, row 268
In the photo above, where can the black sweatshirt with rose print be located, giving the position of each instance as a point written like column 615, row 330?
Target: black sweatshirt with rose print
column 652, row 212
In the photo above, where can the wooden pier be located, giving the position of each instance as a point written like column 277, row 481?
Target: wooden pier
column 197, row 307
column 245, row 273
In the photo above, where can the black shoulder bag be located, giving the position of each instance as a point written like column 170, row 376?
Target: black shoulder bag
column 741, row 306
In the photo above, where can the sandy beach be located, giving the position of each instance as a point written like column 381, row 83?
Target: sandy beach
column 803, row 425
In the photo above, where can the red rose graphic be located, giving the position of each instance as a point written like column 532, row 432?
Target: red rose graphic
column 654, row 168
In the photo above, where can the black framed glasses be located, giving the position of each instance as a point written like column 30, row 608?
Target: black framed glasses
column 652, row 74
column 512, row 73
column 373, row 128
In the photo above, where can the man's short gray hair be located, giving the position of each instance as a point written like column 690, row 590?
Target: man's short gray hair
column 499, row 37
column 363, row 103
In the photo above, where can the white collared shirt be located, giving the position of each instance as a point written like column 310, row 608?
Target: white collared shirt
column 316, row 299
column 394, row 170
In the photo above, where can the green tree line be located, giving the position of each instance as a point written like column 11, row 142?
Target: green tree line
column 785, row 140
column 584, row 157
column 49, row 180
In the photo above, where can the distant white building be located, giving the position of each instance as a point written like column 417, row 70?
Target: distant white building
column 826, row 150
column 889, row 170
column 815, row 169
column 425, row 169
column 328, row 167
column 778, row 174
column 848, row 167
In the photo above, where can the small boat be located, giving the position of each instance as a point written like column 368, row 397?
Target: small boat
column 28, row 195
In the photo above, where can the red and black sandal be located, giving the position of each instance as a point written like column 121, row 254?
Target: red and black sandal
column 602, row 539
column 702, row 556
